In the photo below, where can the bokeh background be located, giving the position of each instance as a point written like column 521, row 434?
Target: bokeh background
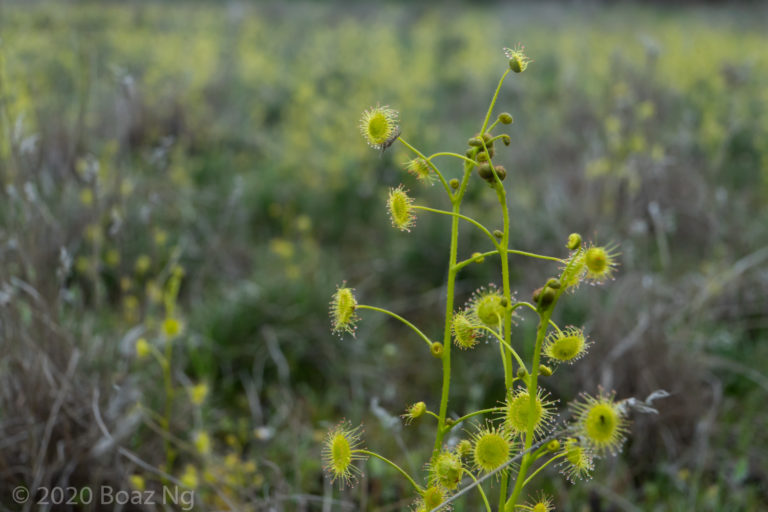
column 219, row 140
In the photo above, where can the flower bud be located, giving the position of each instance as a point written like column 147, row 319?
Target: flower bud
column 574, row 241
column 506, row 118
column 414, row 412
column 475, row 142
column 454, row 183
column 518, row 60
column 437, row 349
column 553, row 283
column 545, row 371
column 522, row 373
column 142, row 348
column 506, row 139
column 417, row 409
column 482, row 157
column 498, row 234
column 553, row 445
column 543, row 296
column 485, row 172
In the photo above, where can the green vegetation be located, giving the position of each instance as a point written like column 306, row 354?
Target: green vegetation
column 218, row 148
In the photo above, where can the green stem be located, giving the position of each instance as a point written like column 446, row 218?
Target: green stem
column 534, row 255
column 493, row 103
column 531, row 306
column 528, row 480
column 494, row 139
column 503, row 253
column 532, row 388
column 506, row 360
column 503, row 490
column 466, row 262
column 450, row 287
column 456, row 155
column 432, row 414
column 447, row 332
column 472, row 414
column 398, row 468
column 463, row 217
column 507, row 289
column 395, row 315
column 505, row 344
column 433, row 166
column 544, row 321
column 480, row 490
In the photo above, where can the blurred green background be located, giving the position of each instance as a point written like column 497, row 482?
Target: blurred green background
column 223, row 138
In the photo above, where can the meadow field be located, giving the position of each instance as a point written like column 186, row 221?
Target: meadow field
column 184, row 186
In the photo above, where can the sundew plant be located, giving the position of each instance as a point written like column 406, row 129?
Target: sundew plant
column 510, row 444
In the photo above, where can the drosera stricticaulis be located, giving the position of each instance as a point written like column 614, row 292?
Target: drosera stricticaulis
column 514, row 441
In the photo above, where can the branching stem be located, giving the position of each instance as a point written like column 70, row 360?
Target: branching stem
column 550, row 461
column 463, row 217
column 471, row 415
column 398, row 468
column 395, row 315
